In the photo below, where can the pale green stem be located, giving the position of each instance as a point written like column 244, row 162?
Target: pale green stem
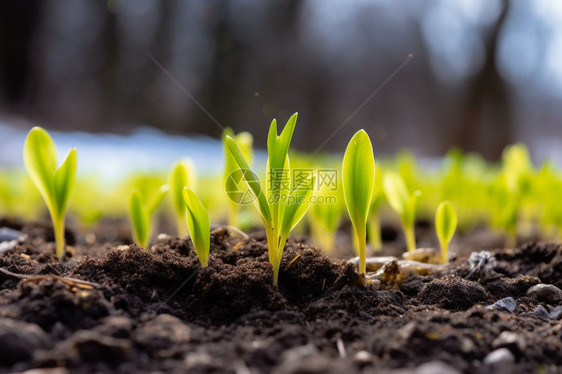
column 204, row 262
column 273, row 249
column 361, row 241
column 410, row 237
column 277, row 265
column 375, row 232
column 58, row 226
column 444, row 250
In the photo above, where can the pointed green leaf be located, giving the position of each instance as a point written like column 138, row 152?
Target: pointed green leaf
column 298, row 205
column 250, row 178
column 157, row 199
column 278, row 148
column 64, row 181
column 198, row 224
column 358, row 175
column 358, row 171
column 445, row 223
column 180, row 177
column 40, row 158
column 396, row 192
column 140, row 220
column 272, row 136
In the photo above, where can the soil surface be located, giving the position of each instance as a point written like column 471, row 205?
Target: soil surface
column 124, row 309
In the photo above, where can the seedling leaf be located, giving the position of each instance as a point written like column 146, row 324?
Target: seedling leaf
column 40, row 158
column 358, row 172
column 404, row 204
column 198, row 224
column 140, row 220
column 250, row 178
column 445, row 226
column 297, row 206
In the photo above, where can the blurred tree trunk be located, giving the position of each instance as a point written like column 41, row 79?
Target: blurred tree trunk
column 18, row 21
column 485, row 124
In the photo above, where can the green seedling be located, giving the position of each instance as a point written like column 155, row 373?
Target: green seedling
column 358, row 174
column 280, row 207
column 55, row 185
column 230, row 176
column 198, row 224
column 517, row 173
column 404, row 204
column 141, row 210
column 182, row 175
column 445, row 226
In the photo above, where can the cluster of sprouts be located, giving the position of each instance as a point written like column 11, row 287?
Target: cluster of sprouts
column 505, row 197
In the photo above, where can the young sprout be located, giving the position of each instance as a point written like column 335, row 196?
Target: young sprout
column 358, row 173
column 403, row 203
column 55, row 185
column 182, row 174
column 141, row 209
column 198, row 224
column 445, row 226
column 517, row 174
column 230, row 175
column 281, row 207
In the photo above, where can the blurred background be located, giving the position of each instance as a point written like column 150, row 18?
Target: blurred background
column 422, row 75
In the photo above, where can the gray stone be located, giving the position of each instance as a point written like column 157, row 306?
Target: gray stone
column 546, row 292
column 7, row 234
column 18, row 340
column 507, row 304
column 499, row 357
column 556, row 313
column 541, row 312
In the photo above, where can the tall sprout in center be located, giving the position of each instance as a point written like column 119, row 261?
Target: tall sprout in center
column 358, row 171
column 284, row 202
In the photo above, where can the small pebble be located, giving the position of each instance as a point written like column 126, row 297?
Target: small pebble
column 556, row 312
column 501, row 356
column 363, row 358
column 507, row 304
column 541, row 312
column 482, row 265
column 546, row 292
column 7, row 234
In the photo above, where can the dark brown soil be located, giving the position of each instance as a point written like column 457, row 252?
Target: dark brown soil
column 142, row 311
